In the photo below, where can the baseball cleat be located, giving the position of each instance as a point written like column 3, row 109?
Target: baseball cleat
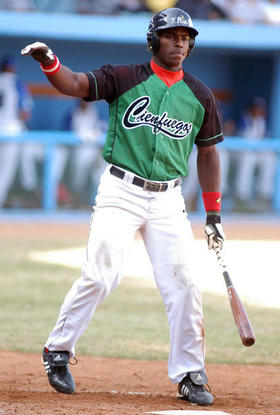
column 192, row 389
column 56, row 365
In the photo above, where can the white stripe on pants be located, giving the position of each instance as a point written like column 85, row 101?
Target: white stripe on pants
column 122, row 209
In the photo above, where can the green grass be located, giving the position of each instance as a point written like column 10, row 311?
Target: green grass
column 131, row 323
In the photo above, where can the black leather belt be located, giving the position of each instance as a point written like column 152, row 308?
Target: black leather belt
column 145, row 184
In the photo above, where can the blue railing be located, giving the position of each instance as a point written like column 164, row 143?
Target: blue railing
column 50, row 139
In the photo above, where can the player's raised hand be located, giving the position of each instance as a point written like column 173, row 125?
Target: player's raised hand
column 213, row 231
column 40, row 52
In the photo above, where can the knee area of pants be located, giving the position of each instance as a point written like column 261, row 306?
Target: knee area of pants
column 93, row 283
column 98, row 285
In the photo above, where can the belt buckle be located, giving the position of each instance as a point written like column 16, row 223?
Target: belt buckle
column 152, row 186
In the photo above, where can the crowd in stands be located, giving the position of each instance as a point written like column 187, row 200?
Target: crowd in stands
column 238, row 11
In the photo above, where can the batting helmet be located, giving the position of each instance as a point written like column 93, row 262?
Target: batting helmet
column 165, row 19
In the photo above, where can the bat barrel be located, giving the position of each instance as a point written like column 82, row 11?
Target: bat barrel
column 249, row 341
column 241, row 318
column 238, row 310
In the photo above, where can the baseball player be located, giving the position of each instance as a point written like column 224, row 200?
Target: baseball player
column 158, row 112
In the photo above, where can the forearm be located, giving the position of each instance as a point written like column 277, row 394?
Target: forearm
column 208, row 169
column 70, row 83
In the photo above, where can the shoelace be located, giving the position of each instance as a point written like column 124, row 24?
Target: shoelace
column 75, row 361
column 208, row 388
column 203, row 387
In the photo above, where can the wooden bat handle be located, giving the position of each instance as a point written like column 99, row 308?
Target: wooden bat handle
column 239, row 313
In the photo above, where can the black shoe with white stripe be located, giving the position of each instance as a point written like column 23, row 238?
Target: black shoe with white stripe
column 56, row 365
column 192, row 389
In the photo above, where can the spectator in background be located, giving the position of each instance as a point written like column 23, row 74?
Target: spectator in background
column 201, row 9
column 87, row 163
column 97, row 6
column 133, row 6
column 17, row 5
column 249, row 185
column 242, row 11
column 15, row 111
column 272, row 11
column 32, row 157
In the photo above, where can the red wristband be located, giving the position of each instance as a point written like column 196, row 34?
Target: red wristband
column 212, row 201
column 53, row 68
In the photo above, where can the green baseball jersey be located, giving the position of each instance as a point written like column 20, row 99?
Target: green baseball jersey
column 152, row 127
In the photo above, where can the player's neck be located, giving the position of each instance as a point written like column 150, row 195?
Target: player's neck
column 162, row 68
column 168, row 77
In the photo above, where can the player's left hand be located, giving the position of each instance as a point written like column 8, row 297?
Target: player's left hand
column 40, row 52
column 214, row 231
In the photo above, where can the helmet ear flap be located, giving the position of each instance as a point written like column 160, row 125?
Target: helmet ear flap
column 191, row 45
column 153, row 42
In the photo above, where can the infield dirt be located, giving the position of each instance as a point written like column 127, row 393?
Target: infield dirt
column 130, row 387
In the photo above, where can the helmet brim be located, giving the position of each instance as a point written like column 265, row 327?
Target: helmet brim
column 193, row 32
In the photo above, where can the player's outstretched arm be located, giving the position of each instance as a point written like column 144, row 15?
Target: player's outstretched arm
column 62, row 78
column 208, row 169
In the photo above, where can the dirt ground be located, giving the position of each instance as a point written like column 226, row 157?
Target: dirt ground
column 129, row 387
column 251, row 230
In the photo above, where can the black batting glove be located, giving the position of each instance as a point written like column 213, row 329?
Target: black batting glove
column 40, row 52
column 213, row 230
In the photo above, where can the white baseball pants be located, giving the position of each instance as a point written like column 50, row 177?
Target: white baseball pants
column 121, row 209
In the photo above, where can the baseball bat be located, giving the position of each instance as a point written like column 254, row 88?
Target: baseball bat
column 239, row 313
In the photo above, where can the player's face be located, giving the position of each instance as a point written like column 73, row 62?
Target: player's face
column 173, row 49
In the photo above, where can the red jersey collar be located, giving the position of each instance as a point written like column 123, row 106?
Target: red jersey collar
column 168, row 77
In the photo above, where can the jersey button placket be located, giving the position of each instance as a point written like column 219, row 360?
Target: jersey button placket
column 159, row 138
column 155, row 160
